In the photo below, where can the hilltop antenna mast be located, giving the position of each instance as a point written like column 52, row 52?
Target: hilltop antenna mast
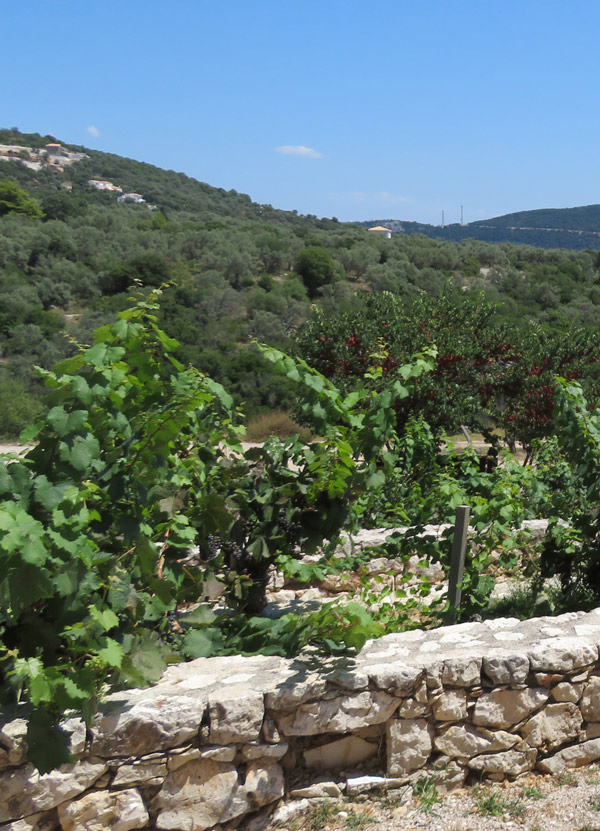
column 442, row 219
column 461, row 216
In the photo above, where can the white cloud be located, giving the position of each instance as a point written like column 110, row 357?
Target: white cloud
column 299, row 150
column 378, row 196
column 93, row 131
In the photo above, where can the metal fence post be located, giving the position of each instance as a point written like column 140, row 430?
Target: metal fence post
column 457, row 561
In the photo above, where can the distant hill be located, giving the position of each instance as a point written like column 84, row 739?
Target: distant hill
column 100, row 226
column 167, row 189
column 575, row 228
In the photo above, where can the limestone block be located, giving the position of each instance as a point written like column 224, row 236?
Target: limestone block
column 590, row 700
column 450, row 706
column 592, row 731
column 140, row 773
column 148, row 725
column 347, row 680
column 289, row 810
column 409, row 743
column 339, row 715
column 345, row 752
column 320, row 790
column 396, row 677
column 270, row 733
column 34, row 822
column 252, row 752
column 461, row 672
column 237, row 717
column 24, row 791
column 409, row 708
column 547, row 679
column 200, row 795
column 567, row 692
column 12, row 739
column 99, row 810
column 360, row 784
column 465, row 741
column 78, row 735
column 294, row 693
column 507, row 669
column 503, row 708
column 562, row 654
column 264, row 783
column 553, row 726
column 571, row 757
column 510, row 763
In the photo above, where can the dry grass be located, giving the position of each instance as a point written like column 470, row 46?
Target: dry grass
column 276, row 423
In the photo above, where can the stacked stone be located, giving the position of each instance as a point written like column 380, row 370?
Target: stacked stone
column 222, row 738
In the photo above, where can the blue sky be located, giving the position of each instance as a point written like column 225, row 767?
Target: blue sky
column 348, row 109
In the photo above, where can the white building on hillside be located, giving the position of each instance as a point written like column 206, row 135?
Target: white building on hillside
column 379, row 229
column 131, row 197
column 103, row 184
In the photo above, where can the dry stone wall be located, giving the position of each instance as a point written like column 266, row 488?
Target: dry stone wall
column 220, row 739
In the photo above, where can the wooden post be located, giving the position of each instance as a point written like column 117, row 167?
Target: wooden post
column 457, row 561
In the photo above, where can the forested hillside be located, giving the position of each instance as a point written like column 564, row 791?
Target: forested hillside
column 72, row 255
column 576, row 228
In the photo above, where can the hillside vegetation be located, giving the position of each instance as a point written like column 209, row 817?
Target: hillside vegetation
column 237, row 270
column 576, row 228
column 137, row 531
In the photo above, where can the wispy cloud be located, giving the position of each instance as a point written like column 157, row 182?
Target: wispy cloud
column 378, row 196
column 299, row 150
column 93, row 131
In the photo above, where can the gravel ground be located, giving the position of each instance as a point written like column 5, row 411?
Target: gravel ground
column 570, row 802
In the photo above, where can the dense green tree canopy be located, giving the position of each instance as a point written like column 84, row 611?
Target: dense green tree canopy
column 14, row 200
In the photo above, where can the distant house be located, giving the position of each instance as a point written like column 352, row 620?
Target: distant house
column 103, row 184
column 379, row 229
column 54, row 149
column 131, row 197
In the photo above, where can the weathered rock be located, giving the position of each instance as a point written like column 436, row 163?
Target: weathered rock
column 450, row 706
column 503, row 708
column 409, row 743
column 236, row 715
column 24, row 791
column 360, row 784
column 13, row 740
column 562, row 654
column 289, row 810
column 590, row 700
column 99, row 810
column 592, row 731
column 507, row 669
column 140, row 773
column 571, row 757
column 251, row 752
column 461, row 671
column 451, row 777
column 47, row 821
column 339, row 715
column 347, row 680
column 264, row 783
column 319, row 790
column 465, row 741
column 200, row 795
column 510, row 763
column 396, row 677
column 291, row 694
column 567, row 692
column 345, row 752
column 553, row 726
column 147, row 725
